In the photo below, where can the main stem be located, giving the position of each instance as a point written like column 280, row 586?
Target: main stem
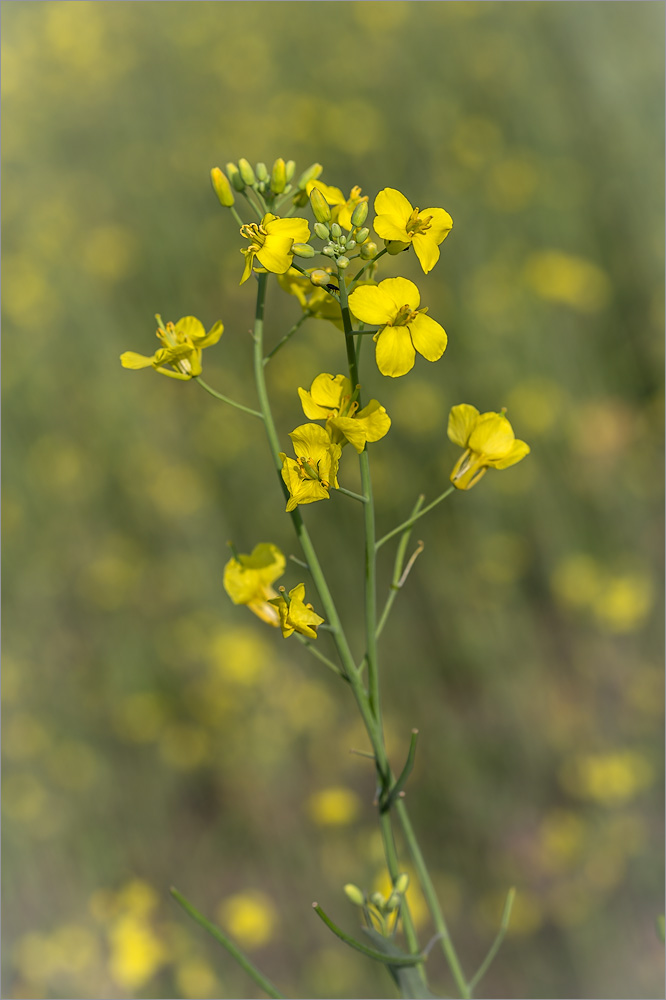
column 372, row 724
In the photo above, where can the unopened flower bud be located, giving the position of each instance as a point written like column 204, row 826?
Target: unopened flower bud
column 320, row 277
column 402, row 883
column 320, row 207
column 261, row 171
column 310, row 174
column 222, row 187
column 246, row 172
column 343, row 262
column 350, row 244
column 234, row 176
column 289, row 168
column 302, row 250
column 395, row 246
column 377, row 900
column 393, row 902
column 329, row 251
column 336, row 232
column 278, row 176
column 354, row 894
column 369, row 250
column 360, row 214
column 361, row 235
column 322, row 231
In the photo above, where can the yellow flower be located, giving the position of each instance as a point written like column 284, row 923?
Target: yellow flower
column 271, row 243
column 341, row 207
column 295, row 616
column 397, row 221
column 248, row 579
column 183, row 343
column 330, row 398
column 315, row 469
column 314, row 300
column 488, row 440
column 405, row 329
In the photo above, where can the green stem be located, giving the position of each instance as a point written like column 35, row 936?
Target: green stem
column 287, row 336
column 354, row 496
column 414, row 518
column 233, row 950
column 225, row 399
column 236, row 216
column 432, row 901
column 397, row 570
column 495, row 946
column 366, row 266
column 311, row 648
column 370, row 952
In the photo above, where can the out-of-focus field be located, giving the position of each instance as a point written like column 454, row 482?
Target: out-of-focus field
column 153, row 733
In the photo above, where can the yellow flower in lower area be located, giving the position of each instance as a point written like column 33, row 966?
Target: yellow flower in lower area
column 271, row 243
column 248, row 579
column 311, row 474
column 250, row 917
column 397, row 221
column 488, row 440
column 341, row 207
column 295, row 615
column 393, row 305
column 331, row 399
column 183, row 342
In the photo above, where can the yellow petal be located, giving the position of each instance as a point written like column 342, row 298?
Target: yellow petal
column 275, row 255
column 191, row 327
column 427, row 251
column 518, row 451
column 295, row 284
column 333, row 195
column 492, row 437
column 428, row 337
column 441, row 223
column 395, row 352
column 351, row 430
column 247, row 270
column 266, row 560
column 462, row 420
column 388, row 229
column 213, row 335
column 369, row 304
column 310, row 441
column 130, row 359
column 310, row 408
column 297, row 593
column 394, row 204
column 328, row 390
column 401, row 292
column 297, row 229
column 374, row 420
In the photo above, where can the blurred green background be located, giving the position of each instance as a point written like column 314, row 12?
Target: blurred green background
column 153, row 733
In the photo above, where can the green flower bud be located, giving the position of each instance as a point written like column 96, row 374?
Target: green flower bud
column 261, row 171
column 368, row 250
column 320, row 207
column 350, row 244
column 395, row 246
column 402, row 883
column 246, row 172
column 336, row 232
column 393, row 902
column 378, row 900
column 343, row 262
column 320, row 277
column 302, row 250
column 354, row 894
column 361, row 235
column 329, row 251
column 360, row 214
column 222, row 187
column 311, row 174
column 322, row 231
column 278, row 176
column 234, row 176
column 289, row 168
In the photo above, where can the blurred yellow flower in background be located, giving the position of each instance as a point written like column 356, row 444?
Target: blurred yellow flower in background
column 248, row 580
column 183, row 342
column 570, row 280
column 488, row 440
column 335, row 806
column 250, row 917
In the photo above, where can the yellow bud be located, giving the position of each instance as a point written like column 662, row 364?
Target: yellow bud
column 395, row 246
column 320, row 207
column 278, row 176
column 222, row 187
column 261, row 172
column 361, row 235
column 393, row 902
column 302, row 250
column 402, row 883
column 289, row 169
column 360, row 214
column 234, row 176
column 311, row 174
column 354, row 894
column 320, row 277
column 246, row 172
column 368, row 250
column 378, row 900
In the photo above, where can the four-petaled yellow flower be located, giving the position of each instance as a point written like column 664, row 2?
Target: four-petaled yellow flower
column 393, row 305
column 271, row 243
column 183, row 342
column 310, row 476
column 248, row 580
column 331, row 399
column 397, row 222
column 341, row 207
column 295, row 615
column 488, row 440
